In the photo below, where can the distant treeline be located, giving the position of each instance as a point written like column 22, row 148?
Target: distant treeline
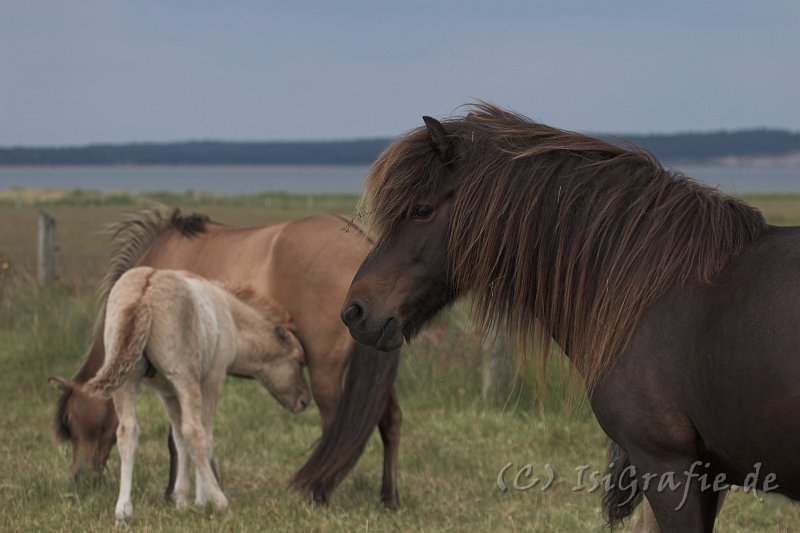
column 202, row 153
column 668, row 147
column 714, row 145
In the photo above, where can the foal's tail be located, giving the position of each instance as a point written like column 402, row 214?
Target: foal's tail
column 129, row 350
column 368, row 386
column 624, row 495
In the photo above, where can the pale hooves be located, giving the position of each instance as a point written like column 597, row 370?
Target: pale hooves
column 181, row 500
column 123, row 514
column 219, row 501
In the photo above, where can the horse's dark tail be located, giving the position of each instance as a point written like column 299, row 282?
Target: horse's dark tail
column 368, row 385
column 624, row 494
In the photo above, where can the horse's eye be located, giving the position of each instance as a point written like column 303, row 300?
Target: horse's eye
column 421, row 212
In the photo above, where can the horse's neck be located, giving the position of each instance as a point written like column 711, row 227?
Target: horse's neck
column 96, row 354
column 251, row 336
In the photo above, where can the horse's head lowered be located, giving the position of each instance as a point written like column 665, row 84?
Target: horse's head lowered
column 405, row 280
column 279, row 368
column 269, row 351
column 89, row 423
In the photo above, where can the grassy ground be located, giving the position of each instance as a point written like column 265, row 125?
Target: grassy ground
column 453, row 444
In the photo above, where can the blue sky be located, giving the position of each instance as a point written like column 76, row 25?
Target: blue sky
column 75, row 72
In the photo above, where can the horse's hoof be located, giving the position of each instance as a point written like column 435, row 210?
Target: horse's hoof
column 390, row 503
column 319, row 498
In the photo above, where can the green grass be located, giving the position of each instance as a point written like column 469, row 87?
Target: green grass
column 452, row 448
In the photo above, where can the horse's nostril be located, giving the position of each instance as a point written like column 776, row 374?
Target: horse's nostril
column 352, row 312
column 303, row 403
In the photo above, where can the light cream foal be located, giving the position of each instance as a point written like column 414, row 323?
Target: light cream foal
column 181, row 334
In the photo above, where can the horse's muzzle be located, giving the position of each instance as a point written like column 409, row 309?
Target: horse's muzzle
column 385, row 334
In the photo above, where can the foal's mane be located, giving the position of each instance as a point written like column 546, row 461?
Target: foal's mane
column 558, row 229
column 264, row 306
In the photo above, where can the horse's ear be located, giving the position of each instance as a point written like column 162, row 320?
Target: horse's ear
column 281, row 334
column 438, row 137
column 59, row 383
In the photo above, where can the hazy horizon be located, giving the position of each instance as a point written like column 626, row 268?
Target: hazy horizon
column 380, row 138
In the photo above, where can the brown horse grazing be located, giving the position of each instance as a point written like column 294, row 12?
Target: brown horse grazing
column 678, row 305
column 306, row 267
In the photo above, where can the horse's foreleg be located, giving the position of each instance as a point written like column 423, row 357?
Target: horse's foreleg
column 682, row 507
column 127, row 440
column 389, row 427
column 647, row 521
column 104, row 444
column 326, row 386
column 193, row 432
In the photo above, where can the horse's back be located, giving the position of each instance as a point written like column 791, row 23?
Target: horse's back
column 220, row 252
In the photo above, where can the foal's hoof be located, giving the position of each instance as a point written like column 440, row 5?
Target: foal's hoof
column 181, row 501
column 123, row 514
column 218, row 502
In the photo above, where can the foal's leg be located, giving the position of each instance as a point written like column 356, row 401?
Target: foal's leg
column 194, row 434
column 389, row 426
column 211, row 389
column 182, row 489
column 127, row 441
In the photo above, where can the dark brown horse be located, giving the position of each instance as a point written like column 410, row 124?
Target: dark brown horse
column 679, row 306
column 306, row 266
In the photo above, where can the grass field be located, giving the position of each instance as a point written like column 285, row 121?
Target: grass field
column 453, row 444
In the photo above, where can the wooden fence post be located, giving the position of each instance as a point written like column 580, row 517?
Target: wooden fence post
column 46, row 251
column 498, row 369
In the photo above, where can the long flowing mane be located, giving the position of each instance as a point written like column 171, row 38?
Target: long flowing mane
column 558, row 229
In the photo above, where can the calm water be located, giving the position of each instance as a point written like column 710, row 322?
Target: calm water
column 215, row 179
column 311, row 179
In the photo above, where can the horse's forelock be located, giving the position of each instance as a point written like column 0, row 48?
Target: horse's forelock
column 407, row 172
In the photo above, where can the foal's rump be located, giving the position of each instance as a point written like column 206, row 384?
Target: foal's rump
column 161, row 310
column 127, row 330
